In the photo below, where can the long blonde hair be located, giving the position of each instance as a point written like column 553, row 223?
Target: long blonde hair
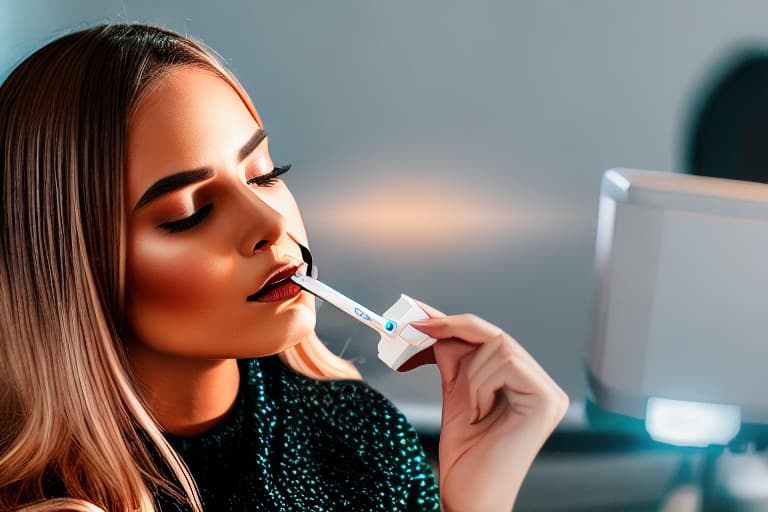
column 70, row 411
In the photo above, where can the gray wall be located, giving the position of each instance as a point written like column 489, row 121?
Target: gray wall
column 484, row 126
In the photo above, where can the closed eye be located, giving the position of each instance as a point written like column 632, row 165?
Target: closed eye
column 269, row 179
column 187, row 222
column 264, row 180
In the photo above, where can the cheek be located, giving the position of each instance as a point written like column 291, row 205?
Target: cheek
column 174, row 279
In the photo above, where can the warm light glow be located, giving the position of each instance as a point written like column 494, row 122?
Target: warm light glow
column 416, row 204
column 414, row 216
column 691, row 423
column 422, row 217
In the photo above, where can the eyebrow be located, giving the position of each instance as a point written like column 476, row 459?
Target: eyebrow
column 182, row 179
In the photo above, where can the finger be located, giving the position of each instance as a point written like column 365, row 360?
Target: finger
column 431, row 325
column 431, row 328
column 467, row 327
column 516, row 378
column 450, row 355
column 429, row 310
column 490, row 368
column 493, row 348
column 493, row 354
column 512, row 346
column 472, row 329
column 523, row 391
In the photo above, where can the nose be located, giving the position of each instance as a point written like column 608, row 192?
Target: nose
column 264, row 225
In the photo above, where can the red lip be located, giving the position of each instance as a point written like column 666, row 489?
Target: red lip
column 280, row 273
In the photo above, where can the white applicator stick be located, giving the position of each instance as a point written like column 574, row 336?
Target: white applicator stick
column 397, row 344
column 344, row 303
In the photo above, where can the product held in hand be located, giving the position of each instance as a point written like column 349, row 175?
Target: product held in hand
column 399, row 341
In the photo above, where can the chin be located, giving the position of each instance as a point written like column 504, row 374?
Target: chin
column 295, row 325
column 299, row 328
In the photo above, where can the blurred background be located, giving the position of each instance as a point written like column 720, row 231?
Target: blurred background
column 453, row 151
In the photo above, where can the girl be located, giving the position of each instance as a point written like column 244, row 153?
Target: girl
column 147, row 360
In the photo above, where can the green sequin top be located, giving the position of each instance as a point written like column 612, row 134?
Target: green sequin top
column 295, row 443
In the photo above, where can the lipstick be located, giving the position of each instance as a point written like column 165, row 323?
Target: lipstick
column 278, row 287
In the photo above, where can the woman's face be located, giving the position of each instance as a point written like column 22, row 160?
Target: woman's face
column 187, row 283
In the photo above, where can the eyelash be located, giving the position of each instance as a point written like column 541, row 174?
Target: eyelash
column 269, row 179
column 264, row 180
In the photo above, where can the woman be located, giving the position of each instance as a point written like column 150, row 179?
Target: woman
column 143, row 363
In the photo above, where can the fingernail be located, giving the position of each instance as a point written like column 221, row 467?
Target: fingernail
column 419, row 322
column 473, row 417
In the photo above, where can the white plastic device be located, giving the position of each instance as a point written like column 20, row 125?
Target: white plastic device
column 682, row 288
column 406, row 342
column 399, row 341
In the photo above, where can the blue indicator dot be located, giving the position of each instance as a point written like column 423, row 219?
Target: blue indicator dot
column 390, row 325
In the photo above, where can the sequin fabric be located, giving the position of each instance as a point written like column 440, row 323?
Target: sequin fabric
column 295, row 443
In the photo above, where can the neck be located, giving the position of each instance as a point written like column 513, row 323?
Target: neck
column 188, row 396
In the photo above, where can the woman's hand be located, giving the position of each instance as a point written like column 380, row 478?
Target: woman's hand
column 499, row 406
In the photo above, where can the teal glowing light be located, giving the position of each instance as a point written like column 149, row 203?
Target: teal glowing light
column 390, row 326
